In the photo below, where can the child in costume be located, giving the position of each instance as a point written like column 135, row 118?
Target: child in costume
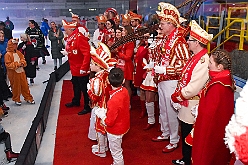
column 98, row 91
column 117, row 116
column 15, row 63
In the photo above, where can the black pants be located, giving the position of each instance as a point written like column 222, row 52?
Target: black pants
column 80, row 85
column 5, row 92
column 186, row 149
column 42, row 54
column 5, row 136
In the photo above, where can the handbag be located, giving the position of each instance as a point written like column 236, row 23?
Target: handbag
column 61, row 44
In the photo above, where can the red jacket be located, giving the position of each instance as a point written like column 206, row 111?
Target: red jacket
column 78, row 50
column 215, row 109
column 118, row 113
column 126, row 52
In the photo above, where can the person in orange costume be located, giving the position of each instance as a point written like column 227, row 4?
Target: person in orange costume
column 15, row 62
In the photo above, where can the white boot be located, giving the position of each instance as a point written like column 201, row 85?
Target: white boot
column 100, row 148
column 150, row 112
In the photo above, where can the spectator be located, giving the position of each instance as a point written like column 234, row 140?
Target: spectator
column 15, row 61
column 7, row 32
column 27, row 49
column 37, row 39
column 57, row 44
column 5, row 91
column 45, row 29
column 9, row 24
column 5, row 136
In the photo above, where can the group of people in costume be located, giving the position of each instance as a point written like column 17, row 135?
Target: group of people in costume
column 190, row 87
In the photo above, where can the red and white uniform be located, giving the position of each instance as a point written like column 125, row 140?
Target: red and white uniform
column 117, row 122
column 139, row 74
column 174, row 54
column 125, row 56
column 78, row 56
column 99, row 95
column 99, row 36
column 192, row 80
column 153, row 57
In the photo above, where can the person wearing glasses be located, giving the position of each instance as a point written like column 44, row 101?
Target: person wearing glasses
column 174, row 53
column 192, row 79
column 109, row 35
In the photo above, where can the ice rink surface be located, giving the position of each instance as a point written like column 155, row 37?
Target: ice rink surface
column 20, row 118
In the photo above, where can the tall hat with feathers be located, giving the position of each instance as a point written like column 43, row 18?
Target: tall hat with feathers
column 102, row 56
column 134, row 16
column 199, row 34
column 168, row 12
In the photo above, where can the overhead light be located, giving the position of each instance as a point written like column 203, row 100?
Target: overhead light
column 92, row 9
column 69, row 9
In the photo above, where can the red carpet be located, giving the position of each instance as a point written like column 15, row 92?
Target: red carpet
column 72, row 146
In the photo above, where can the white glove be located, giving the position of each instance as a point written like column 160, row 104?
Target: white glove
column 150, row 65
column 64, row 52
column 82, row 71
column 101, row 113
column 176, row 106
column 160, row 69
column 88, row 86
column 194, row 110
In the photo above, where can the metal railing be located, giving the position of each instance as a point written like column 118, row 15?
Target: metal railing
column 242, row 31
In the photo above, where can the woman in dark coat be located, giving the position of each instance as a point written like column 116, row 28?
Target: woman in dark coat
column 27, row 49
column 56, row 37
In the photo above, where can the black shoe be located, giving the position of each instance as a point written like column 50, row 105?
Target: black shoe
column 55, row 68
column 4, row 107
column 31, row 81
column 178, row 162
column 84, row 111
column 69, row 105
column 44, row 62
column 37, row 68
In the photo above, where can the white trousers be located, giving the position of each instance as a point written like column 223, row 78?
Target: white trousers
column 115, row 142
column 168, row 115
column 150, row 112
column 92, row 129
column 102, row 142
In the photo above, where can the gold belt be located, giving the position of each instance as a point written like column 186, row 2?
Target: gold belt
column 195, row 98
